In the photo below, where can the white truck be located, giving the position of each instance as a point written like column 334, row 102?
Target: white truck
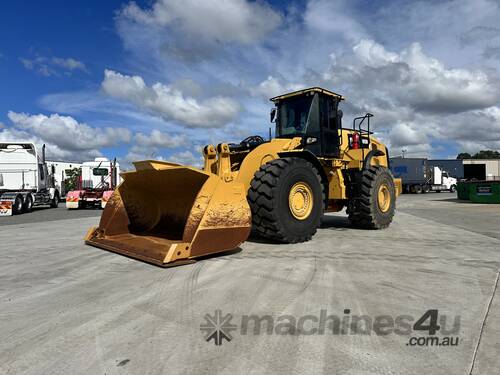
column 25, row 179
column 61, row 169
column 96, row 184
column 420, row 177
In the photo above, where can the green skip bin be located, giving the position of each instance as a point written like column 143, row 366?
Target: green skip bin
column 479, row 191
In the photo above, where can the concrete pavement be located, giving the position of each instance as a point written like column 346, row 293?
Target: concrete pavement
column 45, row 213
column 70, row 308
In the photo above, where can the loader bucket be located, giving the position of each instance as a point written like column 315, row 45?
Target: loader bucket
column 168, row 214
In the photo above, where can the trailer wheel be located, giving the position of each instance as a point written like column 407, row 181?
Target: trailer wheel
column 54, row 203
column 426, row 189
column 17, row 208
column 417, row 189
column 28, row 203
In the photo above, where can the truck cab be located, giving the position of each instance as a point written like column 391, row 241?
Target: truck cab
column 449, row 182
column 96, row 184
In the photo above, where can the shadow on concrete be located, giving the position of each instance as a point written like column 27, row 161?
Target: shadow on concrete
column 327, row 222
column 454, row 200
column 256, row 238
column 219, row 255
column 336, row 222
column 178, row 263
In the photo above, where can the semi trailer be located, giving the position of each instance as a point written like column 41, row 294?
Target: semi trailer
column 419, row 176
column 25, row 179
column 96, row 183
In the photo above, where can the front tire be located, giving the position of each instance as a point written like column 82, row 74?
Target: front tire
column 286, row 199
column 375, row 205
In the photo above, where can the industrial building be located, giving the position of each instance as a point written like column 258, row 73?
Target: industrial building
column 481, row 169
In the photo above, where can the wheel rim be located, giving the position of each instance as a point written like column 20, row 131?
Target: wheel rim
column 300, row 200
column 384, row 198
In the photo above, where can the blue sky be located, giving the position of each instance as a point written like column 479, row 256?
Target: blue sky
column 162, row 78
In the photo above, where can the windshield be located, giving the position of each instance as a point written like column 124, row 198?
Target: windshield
column 100, row 171
column 295, row 116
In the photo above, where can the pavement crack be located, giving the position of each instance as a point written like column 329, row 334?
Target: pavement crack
column 488, row 306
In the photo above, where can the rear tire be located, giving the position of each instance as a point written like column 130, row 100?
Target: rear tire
column 28, row 203
column 17, row 207
column 374, row 208
column 286, row 199
column 54, row 202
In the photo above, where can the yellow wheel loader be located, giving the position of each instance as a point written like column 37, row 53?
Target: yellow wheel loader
column 169, row 214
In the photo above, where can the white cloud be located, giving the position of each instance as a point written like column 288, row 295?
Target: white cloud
column 273, row 87
column 190, row 157
column 427, row 70
column 69, row 63
column 481, row 126
column 404, row 135
column 51, row 66
column 137, row 153
column 53, row 151
column 159, row 139
column 212, row 20
column 373, row 54
column 411, row 78
column 332, row 18
column 67, row 137
column 187, row 158
column 170, row 103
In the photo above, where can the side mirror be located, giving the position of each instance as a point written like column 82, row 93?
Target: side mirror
column 273, row 114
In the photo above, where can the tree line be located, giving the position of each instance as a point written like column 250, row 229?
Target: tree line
column 483, row 154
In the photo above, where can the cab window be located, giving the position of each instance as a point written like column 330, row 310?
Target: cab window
column 100, row 172
column 298, row 116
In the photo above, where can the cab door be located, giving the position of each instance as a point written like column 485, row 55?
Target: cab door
column 330, row 125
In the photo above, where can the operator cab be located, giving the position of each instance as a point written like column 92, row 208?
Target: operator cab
column 312, row 114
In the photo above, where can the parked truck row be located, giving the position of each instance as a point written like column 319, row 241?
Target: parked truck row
column 27, row 180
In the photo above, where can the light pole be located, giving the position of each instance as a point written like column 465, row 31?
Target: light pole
column 403, row 151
